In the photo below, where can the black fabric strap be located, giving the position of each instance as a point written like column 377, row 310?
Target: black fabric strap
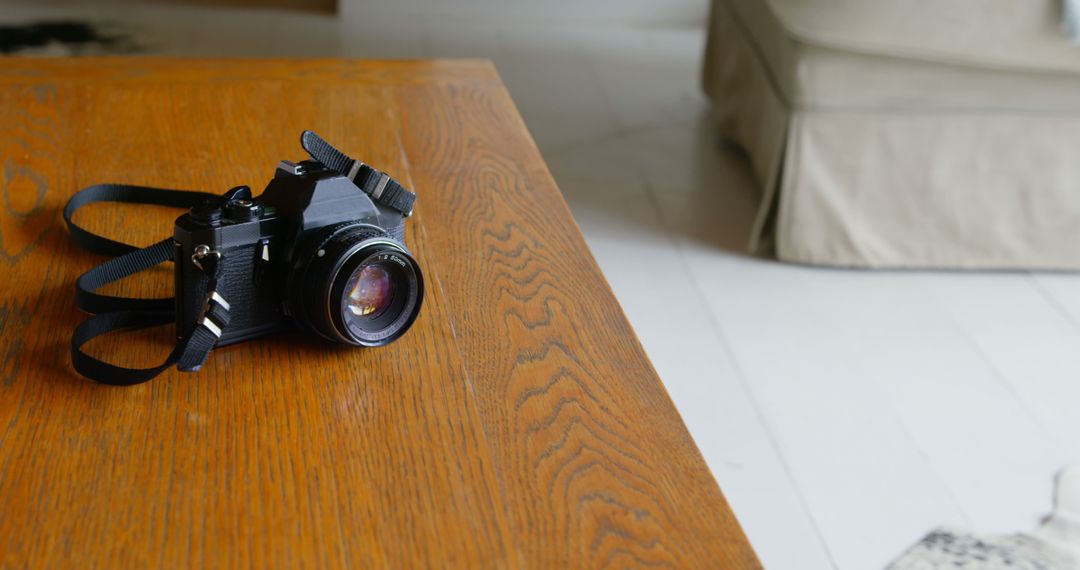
column 325, row 153
column 117, row 269
column 383, row 189
column 119, row 313
column 122, row 193
column 189, row 355
column 195, row 348
column 378, row 185
column 101, row 371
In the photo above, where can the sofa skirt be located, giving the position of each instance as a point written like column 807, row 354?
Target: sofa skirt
column 953, row 183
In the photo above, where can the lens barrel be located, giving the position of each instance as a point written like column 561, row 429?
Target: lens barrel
column 354, row 284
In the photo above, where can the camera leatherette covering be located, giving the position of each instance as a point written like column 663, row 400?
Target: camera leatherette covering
column 254, row 307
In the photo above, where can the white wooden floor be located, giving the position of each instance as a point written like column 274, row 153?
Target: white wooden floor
column 844, row 413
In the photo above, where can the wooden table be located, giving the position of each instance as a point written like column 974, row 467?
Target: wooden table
column 518, row 424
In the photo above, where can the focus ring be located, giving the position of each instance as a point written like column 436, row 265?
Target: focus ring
column 311, row 272
column 326, row 262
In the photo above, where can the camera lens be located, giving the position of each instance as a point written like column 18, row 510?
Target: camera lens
column 356, row 285
column 375, row 294
column 370, row 290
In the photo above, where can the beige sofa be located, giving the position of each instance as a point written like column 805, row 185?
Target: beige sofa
column 905, row 134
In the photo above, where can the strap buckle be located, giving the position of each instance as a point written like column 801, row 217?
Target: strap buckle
column 215, row 314
column 378, row 185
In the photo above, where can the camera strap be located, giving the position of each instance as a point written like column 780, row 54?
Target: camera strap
column 113, row 313
column 374, row 183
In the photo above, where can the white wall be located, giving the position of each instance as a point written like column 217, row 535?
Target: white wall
column 475, row 11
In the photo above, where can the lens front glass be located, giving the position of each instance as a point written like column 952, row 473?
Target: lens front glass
column 370, row 291
column 379, row 298
column 354, row 283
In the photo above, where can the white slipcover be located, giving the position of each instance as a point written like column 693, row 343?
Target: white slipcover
column 905, row 134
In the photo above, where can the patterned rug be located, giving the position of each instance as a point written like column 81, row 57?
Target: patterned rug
column 62, row 38
column 1053, row 546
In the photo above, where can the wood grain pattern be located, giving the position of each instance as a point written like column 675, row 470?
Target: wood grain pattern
column 519, row 423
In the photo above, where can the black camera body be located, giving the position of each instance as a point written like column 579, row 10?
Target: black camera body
column 313, row 250
column 322, row 248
